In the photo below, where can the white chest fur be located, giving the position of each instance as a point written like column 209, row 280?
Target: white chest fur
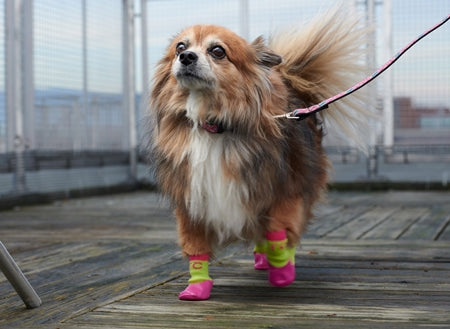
column 214, row 199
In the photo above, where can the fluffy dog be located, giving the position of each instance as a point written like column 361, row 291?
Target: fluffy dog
column 230, row 168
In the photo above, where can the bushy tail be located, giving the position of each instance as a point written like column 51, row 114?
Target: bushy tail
column 324, row 58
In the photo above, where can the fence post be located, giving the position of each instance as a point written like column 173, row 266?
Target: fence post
column 129, row 83
column 388, row 106
column 27, row 73
column 84, row 137
column 372, row 162
column 144, row 54
column 244, row 28
column 19, row 85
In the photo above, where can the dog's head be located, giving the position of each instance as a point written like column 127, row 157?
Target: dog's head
column 210, row 57
column 232, row 80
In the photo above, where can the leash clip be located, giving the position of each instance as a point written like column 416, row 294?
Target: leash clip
column 289, row 115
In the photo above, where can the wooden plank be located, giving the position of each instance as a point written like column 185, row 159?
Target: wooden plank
column 42, row 237
column 38, row 260
column 360, row 225
column 223, row 319
column 325, row 209
column 320, row 270
column 64, row 254
column 377, row 250
column 317, row 261
column 443, row 233
column 295, row 312
column 397, row 224
column 329, row 222
column 428, row 227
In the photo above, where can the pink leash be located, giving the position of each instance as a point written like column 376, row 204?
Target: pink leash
column 302, row 113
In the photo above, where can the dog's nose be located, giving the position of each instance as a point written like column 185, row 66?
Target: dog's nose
column 188, row 57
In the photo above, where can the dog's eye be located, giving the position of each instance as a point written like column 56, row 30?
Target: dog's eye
column 217, row 52
column 180, row 48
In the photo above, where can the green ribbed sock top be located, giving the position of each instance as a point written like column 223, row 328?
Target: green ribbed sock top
column 199, row 271
column 279, row 254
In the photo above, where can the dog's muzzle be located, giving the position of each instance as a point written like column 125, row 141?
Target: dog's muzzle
column 192, row 71
column 188, row 58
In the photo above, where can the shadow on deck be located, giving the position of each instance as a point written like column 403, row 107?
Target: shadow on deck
column 370, row 260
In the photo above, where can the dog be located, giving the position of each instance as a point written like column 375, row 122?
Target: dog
column 231, row 169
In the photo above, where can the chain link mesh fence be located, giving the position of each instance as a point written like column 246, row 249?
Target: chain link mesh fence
column 75, row 132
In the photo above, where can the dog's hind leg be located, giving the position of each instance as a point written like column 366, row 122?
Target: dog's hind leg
column 286, row 223
column 195, row 244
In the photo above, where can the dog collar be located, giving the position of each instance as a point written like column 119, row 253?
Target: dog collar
column 212, row 128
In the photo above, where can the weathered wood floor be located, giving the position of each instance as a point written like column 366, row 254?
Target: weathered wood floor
column 371, row 260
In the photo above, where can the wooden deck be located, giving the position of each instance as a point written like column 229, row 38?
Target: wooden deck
column 371, row 260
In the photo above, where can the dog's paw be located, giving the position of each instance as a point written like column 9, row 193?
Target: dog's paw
column 197, row 291
column 261, row 261
column 281, row 276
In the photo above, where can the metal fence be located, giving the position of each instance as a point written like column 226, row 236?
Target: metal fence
column 64, row 98
column 74, row 74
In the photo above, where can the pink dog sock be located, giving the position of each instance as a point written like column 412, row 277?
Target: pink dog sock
column 200, row 283
column 260, row 256
column 281, row 259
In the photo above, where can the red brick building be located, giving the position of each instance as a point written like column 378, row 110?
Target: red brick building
column 409, row 116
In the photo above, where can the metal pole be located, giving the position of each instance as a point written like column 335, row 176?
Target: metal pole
column 372, row 89
column 244, row 24
column 371, row 59
column 10, row 58
column 27, row 75
column 83, row 130
column 17, row 279
column 145, row 77
column 388, row 105
column 15, row 89
column 128, row 83
column 19, row 138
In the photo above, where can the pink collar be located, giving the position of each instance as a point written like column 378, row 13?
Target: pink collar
column 212, row 127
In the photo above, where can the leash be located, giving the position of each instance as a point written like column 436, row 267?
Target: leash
column 300, row 114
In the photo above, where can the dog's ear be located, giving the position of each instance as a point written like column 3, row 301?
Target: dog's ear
column 265, row 56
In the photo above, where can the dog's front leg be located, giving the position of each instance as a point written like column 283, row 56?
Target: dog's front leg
column 196, row 245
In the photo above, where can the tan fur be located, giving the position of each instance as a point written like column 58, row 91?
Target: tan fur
column 288, row 215
column 325, row 58
column 194, row 240
column 276, row 169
